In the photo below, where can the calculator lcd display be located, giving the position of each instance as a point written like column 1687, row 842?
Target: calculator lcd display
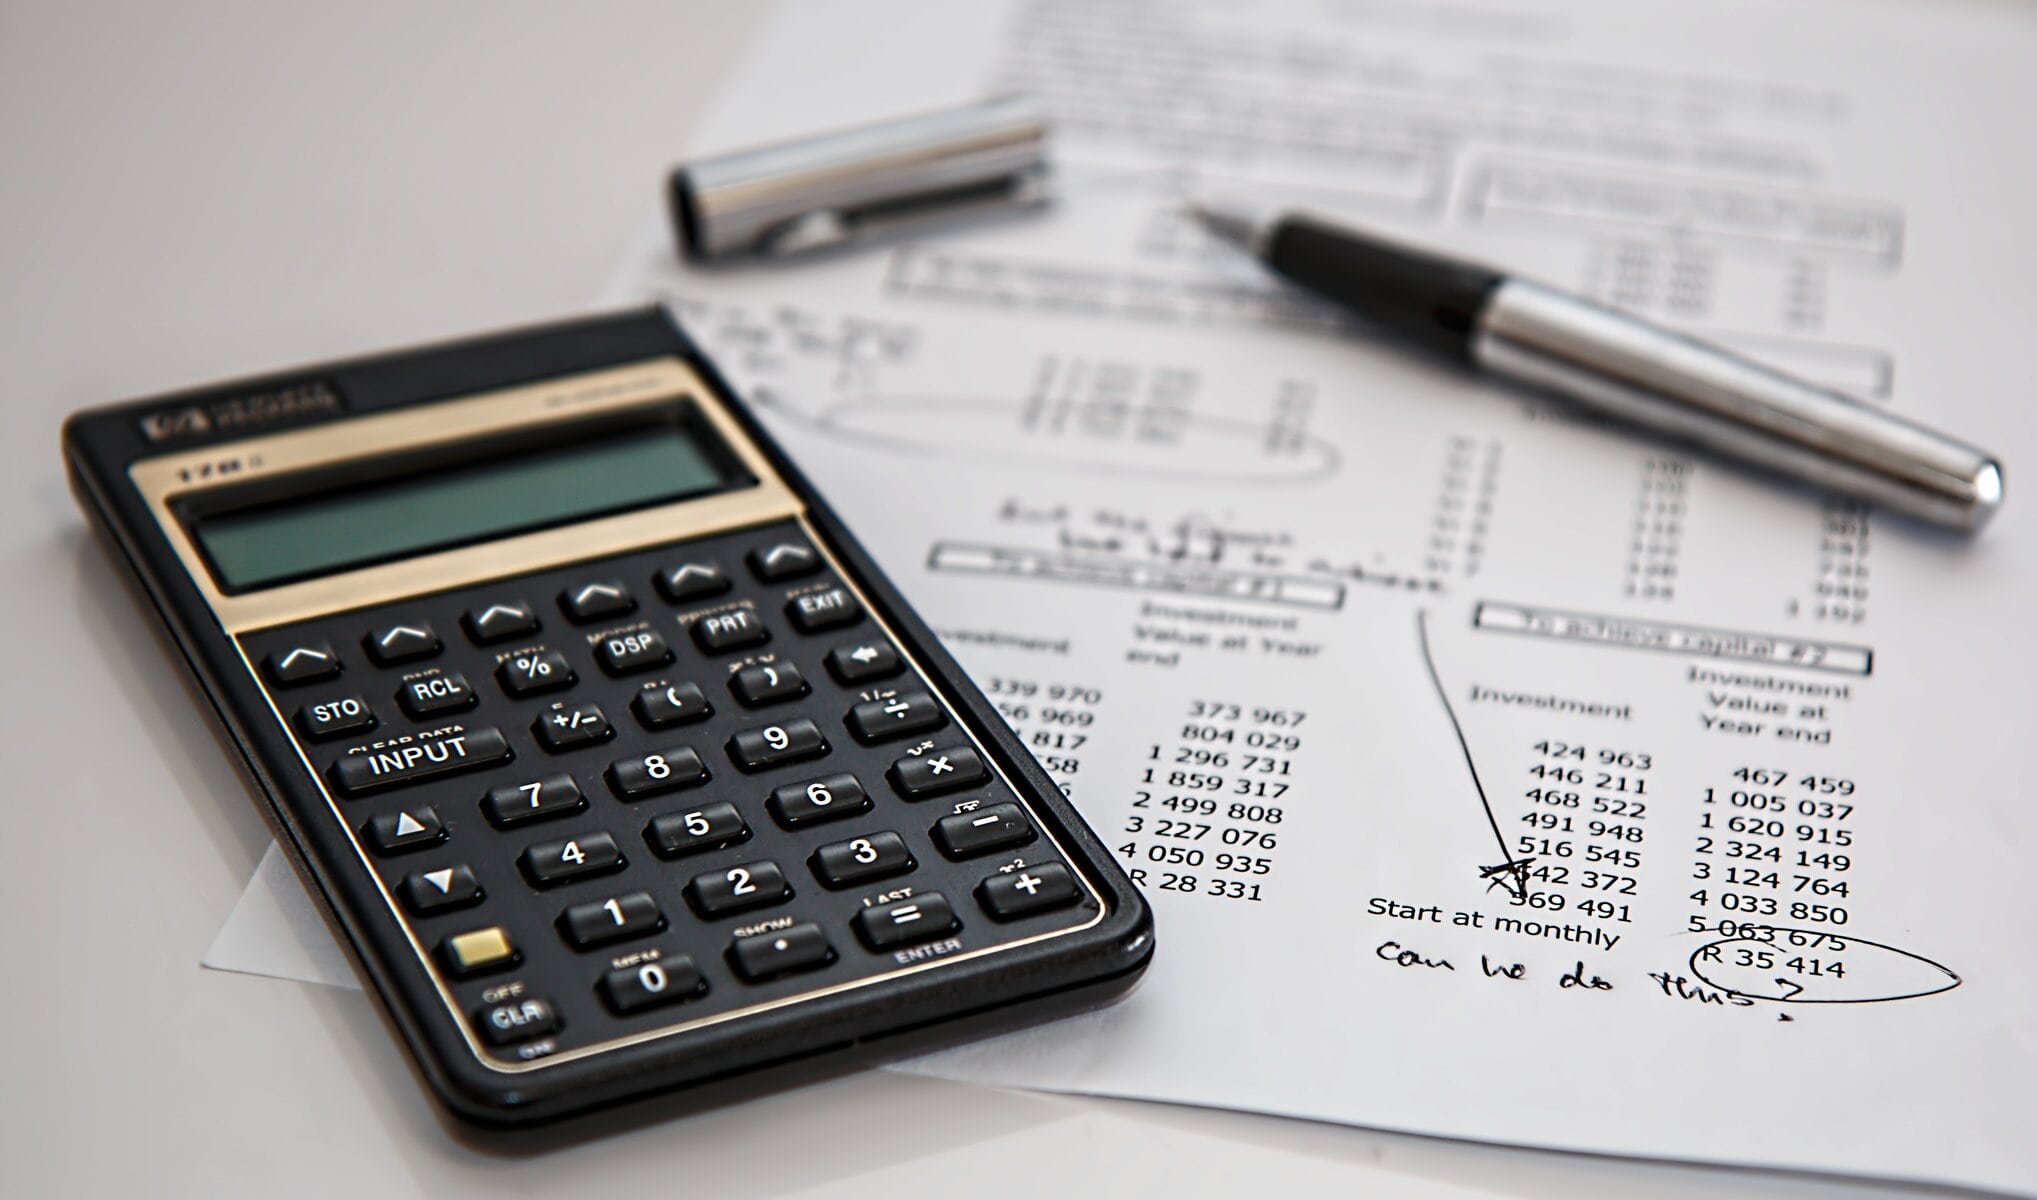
column 437, row 509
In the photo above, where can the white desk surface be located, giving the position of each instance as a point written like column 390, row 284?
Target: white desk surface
column 208, row 189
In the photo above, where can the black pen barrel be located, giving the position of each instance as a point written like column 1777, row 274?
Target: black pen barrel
column 1427, row 297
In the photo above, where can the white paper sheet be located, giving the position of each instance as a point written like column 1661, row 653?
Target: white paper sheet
column 1224, row 562
column 1322, row 638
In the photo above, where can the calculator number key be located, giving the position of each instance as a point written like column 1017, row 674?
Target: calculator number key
column 615, row 919
column 736, row 889
column 549, row 863
column 654, row 984
column 757, row 749
column 656, row 773
column 336, row 717
column 535, row 673
column 812, row 801
column 538, row 800
column 767, row 683
column 626, row 653
column 566, row 729
column 861, row 859
column 709, row 827
column 895, row 717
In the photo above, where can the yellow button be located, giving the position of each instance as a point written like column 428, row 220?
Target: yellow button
column 479, row 949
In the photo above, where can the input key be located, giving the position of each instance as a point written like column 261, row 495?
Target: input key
column 425, row 757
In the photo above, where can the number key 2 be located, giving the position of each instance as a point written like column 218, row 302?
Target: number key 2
column 751, row 885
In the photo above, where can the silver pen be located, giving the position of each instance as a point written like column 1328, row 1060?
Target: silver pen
column 1626, row 368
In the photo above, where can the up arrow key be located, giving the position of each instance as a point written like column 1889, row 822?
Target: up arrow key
column 786, row 560
column 404, row 831
column 301, row 664
column 402, row 643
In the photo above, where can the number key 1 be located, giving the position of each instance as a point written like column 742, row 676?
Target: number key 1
column 632, row 914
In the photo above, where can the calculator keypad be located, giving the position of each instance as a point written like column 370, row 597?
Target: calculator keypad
column 706, row 779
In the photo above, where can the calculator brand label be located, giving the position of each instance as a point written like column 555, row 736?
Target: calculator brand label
column 242, row 414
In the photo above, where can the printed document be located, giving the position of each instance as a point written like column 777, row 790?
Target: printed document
column 1493, row 773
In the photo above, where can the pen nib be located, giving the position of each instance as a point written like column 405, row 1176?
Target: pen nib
column 1230, row 222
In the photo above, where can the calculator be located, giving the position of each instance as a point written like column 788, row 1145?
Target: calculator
column 613, row 759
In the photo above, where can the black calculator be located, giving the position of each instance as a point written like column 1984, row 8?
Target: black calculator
column 612, row 757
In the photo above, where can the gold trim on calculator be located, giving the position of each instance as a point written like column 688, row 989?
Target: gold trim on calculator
column 164, row 480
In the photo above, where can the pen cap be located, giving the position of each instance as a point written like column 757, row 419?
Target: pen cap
column 845, row 186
